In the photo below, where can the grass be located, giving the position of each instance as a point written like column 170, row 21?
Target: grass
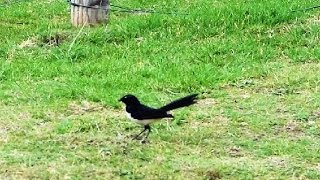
column 255, row 63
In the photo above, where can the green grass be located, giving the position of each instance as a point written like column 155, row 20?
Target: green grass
column 256, row 64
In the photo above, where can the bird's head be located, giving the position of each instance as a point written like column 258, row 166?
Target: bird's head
column 129, row 99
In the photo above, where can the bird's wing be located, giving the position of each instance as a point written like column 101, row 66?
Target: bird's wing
column 144, row 112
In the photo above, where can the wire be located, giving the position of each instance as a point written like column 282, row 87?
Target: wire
column 307, row 9
column 126, row 9
column 117, row 8
column 129, row 10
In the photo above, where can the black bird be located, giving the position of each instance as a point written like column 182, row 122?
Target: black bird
column 145, row 115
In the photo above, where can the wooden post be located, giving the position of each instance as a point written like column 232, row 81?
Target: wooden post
column 89, row 12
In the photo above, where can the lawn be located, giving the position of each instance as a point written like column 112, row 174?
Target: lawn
column 255, row 64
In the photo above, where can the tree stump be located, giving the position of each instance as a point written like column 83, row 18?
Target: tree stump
column 89, row 12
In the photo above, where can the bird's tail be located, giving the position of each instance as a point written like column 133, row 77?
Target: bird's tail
column 182, row 102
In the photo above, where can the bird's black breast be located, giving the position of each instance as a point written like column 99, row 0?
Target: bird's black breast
column 142, row 112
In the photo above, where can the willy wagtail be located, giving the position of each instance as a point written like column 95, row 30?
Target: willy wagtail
column 145, row 115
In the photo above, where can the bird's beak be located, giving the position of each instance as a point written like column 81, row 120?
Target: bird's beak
column 120, row 100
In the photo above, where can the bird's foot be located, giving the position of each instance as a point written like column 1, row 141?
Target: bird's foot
column 145, row 141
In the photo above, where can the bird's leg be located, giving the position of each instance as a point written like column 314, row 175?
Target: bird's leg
column 149, row 130
column 145, row 139
column 136, row 136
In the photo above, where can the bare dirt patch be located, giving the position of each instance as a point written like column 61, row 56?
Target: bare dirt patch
column 49, row 40
column 315, row 19
column 84, row 107
column 207, row 102
column 276, row 161
column 235, row 152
